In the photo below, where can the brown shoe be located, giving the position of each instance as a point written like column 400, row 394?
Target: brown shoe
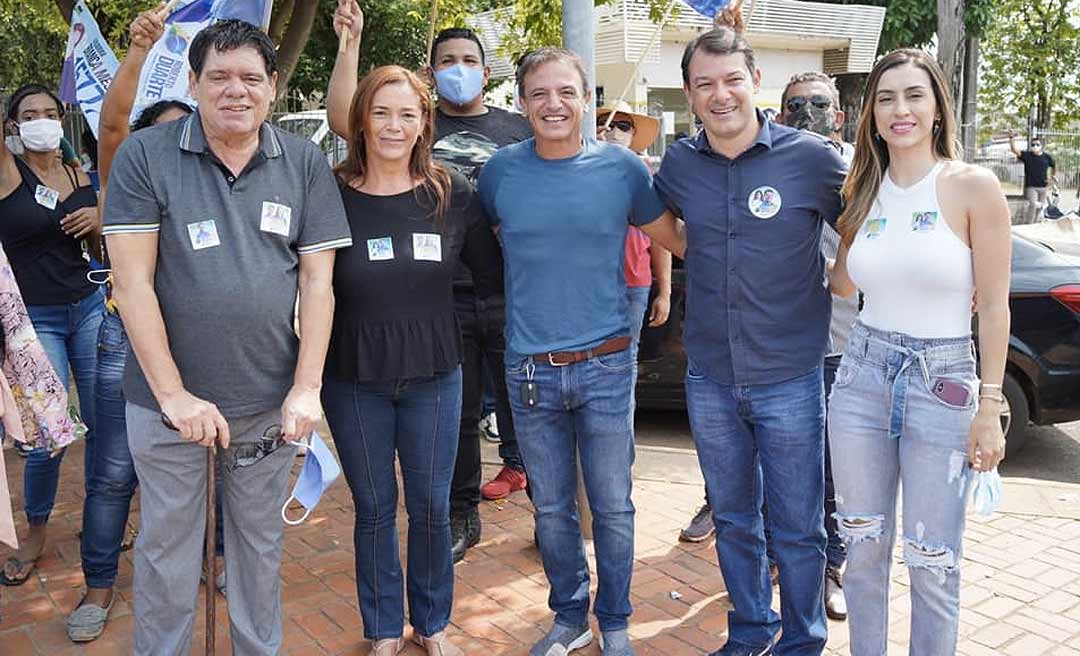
column 438, row 645
column 387, row 647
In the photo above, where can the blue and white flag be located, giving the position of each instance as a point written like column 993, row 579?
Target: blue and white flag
column 165, row 73
column 708, row 7
column 89, row 66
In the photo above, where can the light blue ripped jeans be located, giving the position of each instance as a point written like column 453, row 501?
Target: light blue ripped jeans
column 887, row 427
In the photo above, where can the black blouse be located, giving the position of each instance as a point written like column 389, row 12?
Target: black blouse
column 394, row 314
column 48, row 264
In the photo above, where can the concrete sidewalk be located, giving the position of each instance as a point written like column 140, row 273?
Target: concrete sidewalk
column 1021, row 590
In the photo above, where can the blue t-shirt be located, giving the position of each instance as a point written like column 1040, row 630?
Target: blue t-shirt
column 756, row 309
column 562, row 224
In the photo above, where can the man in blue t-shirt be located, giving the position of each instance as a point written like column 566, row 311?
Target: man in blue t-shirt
column 561, row 206
column 755, row 195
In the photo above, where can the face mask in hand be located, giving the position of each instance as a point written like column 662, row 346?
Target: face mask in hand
column 460, row 84
column 320, row 470
column 41, row 135
column 986, row 496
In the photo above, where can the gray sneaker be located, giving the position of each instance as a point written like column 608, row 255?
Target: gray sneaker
column 561, row 640
column 616, row 643
column 701, row 526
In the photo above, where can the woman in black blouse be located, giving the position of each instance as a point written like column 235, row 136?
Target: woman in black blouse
column 393, row 376
column 47, row 207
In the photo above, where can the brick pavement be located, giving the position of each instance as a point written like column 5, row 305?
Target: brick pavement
column 1021, row 593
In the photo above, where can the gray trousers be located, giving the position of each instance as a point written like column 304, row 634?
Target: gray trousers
column 169, row 552
column 1034, row 202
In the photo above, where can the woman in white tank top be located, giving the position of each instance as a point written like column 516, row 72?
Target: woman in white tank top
column 923, row 234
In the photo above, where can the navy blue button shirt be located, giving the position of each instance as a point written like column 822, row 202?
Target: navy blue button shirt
column 757, row 311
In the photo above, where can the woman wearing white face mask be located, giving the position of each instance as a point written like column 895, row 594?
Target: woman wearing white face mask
column 48, row 208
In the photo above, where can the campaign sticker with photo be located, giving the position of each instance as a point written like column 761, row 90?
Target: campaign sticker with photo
column 381, row 248
column 276, row 218
column 875, row 227
column 203, row 234
column 427, row 246
column 46, row 197
column 923, row 221
column 764, row 202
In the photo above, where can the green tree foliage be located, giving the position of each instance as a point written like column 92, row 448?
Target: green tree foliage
column 1031, row 57
column 912, row 23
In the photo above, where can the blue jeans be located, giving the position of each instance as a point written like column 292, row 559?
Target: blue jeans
column 69, row 334
column 583, row 408
column 419, row 420
column 111, row 472
column 889, row 428
column 638, row 298
column 835, row 555
column 781, row 426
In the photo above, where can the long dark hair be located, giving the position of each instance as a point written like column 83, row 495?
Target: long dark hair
column 422, row 166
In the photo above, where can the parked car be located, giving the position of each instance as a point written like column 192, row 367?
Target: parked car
column 1042, row 379
column 313, row 126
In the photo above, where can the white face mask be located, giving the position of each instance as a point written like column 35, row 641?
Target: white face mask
column 41, row 135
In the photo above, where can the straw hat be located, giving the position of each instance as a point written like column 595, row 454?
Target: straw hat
column 646, row 128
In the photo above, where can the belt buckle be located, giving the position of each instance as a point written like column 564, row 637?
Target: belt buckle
column 551, row 361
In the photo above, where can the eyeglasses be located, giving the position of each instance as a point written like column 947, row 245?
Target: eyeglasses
column 795, row 103
column 245, row 455
column 619, row 124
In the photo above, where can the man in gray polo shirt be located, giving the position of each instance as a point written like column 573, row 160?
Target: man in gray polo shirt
column 214, row 224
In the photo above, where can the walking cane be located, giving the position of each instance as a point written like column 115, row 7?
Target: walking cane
column 210, row 560
column 211, row 550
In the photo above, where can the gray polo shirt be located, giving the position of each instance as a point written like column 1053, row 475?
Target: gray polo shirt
column 229, row 249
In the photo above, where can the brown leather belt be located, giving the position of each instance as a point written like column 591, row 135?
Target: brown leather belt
column 563, row 358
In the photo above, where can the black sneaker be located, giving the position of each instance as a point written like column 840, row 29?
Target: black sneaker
column 701, row 526
column 464, row 532
column 742, row 650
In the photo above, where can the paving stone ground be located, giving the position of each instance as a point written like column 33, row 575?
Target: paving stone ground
column 1021, row 593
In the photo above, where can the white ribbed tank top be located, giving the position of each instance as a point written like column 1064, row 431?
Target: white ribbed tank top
column 915, row 273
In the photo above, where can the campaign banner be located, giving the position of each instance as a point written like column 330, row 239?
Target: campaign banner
column 165, row 73
column 89, row 65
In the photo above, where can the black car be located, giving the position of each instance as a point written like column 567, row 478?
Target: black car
column 1042, row 379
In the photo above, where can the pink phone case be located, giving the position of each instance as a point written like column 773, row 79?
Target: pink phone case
column 951, row 392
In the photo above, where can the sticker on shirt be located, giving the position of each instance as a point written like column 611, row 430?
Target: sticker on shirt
column 276, row 218
column 203, row 235
column 923, row 221
column 764, row 202
column 380, row 249
column 875, row 228
column 46, row 197
column 427, row 246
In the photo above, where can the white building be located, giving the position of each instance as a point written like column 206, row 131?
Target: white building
column 788, row 37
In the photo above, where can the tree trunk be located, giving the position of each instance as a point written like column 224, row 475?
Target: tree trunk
column 950, row 35
column 293, row 42
column 971, row 90
column 280, row 19
column 66, row 7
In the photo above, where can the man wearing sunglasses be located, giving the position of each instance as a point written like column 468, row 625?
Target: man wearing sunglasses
column 811, row 102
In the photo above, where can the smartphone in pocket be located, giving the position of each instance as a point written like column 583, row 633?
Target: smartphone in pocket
column 952, row 392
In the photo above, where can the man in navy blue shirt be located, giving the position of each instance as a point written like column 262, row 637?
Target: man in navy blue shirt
column 754, row 196
column 562, row 205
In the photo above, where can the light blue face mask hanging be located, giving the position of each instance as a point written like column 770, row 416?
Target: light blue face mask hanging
column 320, row 470
column 986, row 496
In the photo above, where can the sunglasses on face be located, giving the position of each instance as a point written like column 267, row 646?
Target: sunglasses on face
column 795, row 103
column 619, row 124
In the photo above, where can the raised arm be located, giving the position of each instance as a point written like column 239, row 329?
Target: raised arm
column 1012, row 144
column 343, row 79
column 113, row 128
